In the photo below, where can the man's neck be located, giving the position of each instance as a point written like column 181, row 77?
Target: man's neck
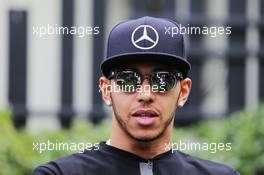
column 144, row 149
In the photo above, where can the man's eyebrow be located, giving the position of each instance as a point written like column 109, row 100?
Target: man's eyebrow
column 128, row 68
column 163, row 69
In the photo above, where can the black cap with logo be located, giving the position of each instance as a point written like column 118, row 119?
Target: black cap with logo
column 146, row 39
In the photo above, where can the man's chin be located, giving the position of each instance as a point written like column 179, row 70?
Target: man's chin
column 145, row 137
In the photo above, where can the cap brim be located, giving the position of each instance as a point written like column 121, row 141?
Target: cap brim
column 166, row 59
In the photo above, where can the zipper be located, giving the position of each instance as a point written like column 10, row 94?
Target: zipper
column 146, row 168
column 150, row 164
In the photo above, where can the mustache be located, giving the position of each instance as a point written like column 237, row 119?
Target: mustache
column 149, row 107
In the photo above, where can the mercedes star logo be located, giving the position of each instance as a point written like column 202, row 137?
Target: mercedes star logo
column 145, row 42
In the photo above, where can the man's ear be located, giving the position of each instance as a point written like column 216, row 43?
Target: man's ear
column 186, row 85
column 105, row 88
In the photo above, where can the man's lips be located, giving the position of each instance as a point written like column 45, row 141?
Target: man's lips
column 145, row 113
column 145, row 117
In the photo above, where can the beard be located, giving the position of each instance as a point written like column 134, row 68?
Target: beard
column 124, row 127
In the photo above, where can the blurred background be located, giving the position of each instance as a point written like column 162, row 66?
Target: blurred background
column 49, row 83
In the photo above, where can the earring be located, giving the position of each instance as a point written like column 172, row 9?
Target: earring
column 180, row 105
column 108, row 103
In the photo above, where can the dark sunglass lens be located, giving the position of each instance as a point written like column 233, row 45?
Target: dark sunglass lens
column 163, row 81
column 127, row 80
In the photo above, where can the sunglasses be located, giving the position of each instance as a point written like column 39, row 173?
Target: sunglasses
column 160, row 80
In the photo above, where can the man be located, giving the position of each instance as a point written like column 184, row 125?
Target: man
column 144, row 82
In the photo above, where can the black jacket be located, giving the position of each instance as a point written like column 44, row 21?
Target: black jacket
column 108, row 160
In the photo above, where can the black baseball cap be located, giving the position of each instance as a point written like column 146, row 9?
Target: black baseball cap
column 146, row 39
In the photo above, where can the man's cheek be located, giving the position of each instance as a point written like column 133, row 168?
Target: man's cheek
column 167, row 112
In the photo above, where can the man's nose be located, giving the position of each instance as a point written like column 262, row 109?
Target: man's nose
column 146, row 95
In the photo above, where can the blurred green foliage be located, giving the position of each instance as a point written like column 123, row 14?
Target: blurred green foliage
column 245, row 132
